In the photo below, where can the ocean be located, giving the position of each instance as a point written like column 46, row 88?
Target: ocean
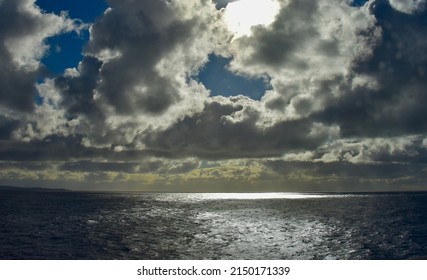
column 73, row 225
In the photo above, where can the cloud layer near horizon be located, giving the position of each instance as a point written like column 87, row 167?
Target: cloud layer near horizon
column 346, row 102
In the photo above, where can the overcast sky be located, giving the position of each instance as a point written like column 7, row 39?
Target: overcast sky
column 200, row 95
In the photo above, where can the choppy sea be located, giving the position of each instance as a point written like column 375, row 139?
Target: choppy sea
column 72, row 225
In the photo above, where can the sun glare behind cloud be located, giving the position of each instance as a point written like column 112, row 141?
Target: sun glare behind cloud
column 242, row 15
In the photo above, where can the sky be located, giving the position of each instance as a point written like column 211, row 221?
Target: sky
column 214, row 95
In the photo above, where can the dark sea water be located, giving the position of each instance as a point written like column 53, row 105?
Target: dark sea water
column 50, row 225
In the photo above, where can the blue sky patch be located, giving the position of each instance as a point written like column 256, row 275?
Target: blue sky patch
column 358, row 3
column 92, row 9
column 216, row 77
column 66, row 49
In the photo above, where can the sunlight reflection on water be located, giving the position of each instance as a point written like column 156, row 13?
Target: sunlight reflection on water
column 250, row 196
column 245, row 196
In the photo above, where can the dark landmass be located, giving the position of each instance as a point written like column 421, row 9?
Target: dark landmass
column 31, row 189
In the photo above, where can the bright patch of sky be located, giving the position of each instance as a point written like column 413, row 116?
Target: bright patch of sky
column 216, row 77
column 242, row 15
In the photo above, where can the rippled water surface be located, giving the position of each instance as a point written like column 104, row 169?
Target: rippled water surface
column 212, row 226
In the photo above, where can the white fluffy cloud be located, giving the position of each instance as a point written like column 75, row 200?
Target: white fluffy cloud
column 26, row 44
column 309, row 53
column 365, row 151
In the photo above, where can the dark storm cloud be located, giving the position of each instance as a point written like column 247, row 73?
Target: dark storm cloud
column 343, row 169
column 52, row 148
column 93, row 166
column 143, row 166
column 219, row 132
column 399, row 65
column 7, row 126
column 69, row 154
column 59, row 148
column 141, row 33
column 77, row 92
column 342, row 176
column 27, row 165
column 17, row 89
